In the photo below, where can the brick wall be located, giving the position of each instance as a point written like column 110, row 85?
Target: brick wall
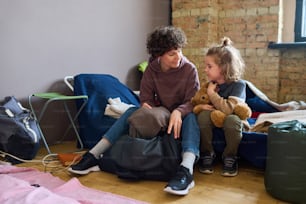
column 251, row 24
column 292, row 74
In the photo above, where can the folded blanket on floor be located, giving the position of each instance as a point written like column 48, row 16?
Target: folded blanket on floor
column 29, row 186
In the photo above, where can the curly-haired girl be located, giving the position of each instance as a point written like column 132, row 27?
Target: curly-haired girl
column 224, row 67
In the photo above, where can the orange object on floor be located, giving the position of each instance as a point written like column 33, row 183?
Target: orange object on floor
column 69, row 158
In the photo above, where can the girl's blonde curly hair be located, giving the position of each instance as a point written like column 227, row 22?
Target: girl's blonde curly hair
column 228, row 58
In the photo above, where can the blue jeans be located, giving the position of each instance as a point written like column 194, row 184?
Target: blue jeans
column 120, row 127
column 190, row 133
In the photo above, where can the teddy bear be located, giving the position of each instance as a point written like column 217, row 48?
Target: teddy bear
column 242, row 110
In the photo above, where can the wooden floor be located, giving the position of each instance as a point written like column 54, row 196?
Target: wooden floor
column 247, row 187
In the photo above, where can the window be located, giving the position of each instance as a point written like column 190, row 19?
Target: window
column 300, row 21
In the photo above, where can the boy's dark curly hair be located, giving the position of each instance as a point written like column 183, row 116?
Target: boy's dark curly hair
column 164, row 39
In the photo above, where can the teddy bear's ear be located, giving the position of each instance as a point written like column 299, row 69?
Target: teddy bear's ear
column 205, row 85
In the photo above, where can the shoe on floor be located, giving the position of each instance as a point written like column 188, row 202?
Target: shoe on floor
column 181, row 182
column 87, row 164
column 230, row 166
column 206, row 163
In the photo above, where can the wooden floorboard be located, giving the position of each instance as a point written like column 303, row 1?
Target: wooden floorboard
column 248, row 187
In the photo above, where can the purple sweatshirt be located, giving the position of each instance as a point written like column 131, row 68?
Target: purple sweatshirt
column 172, row 89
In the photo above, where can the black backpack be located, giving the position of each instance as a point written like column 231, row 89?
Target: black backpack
column 19, row 134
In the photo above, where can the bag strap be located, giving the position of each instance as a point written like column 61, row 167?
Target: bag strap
column 26, row 122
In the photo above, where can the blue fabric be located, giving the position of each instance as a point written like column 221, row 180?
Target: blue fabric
column 99, row 88
column 257, row 104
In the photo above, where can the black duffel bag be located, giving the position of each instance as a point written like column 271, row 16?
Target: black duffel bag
column 136, row 158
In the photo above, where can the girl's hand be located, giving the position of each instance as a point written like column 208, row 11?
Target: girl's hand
column 175, row 124
column 212, row 87
column 145, row 105
column 206, row 107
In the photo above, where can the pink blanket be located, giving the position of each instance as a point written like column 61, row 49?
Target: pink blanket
column 30, row 186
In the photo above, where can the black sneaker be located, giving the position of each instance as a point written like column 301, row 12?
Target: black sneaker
column 206, row 163
column 87, row 164
column 230, row 166
column 181, row 182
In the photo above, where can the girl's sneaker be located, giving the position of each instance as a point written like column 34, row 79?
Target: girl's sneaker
column 230, row 167
column 206, row 163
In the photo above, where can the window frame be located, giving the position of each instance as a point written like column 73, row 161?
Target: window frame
column 300, row 21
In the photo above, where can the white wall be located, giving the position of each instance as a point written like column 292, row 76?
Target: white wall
column 41, row 41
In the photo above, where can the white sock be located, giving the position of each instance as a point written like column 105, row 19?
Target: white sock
column 188, row 161
column 100, row 148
